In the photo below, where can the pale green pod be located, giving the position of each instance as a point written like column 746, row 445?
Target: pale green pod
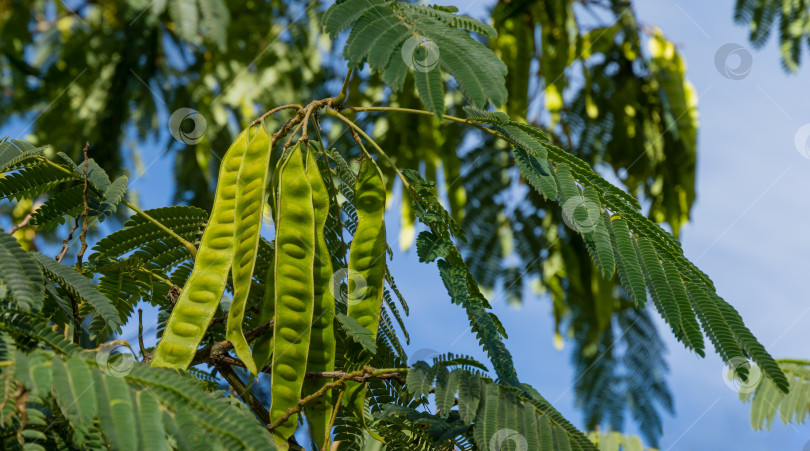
column 202, row 292
column 366, row 264
column 250, row 191
column 294, row 262
column 322, row 341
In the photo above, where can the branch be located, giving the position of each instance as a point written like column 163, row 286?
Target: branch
column 85, row 212
column 22, row 224
column 239, row 388
column 140, row 333
column 373, row 143
column 191, row 249
column 274, row 111
column 332, row 374
column 343, row 90
column 218, row 351
column 361, row 375
column 66, row 242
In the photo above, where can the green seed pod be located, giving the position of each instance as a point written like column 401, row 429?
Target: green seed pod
column 322, row 342
column 366, row 264
column 201, row 294
column 295, row 252
column 250, row 190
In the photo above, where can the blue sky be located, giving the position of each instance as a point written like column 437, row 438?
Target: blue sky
column 748, row 233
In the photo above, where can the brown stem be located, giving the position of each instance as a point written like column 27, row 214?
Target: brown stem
column 218, row 351
column 85, row 213
column 359, row 375
column 274, row 111
column 140, row 333
column 22, row 224
column 302, row 402
column 66, row 242
column 239, row 388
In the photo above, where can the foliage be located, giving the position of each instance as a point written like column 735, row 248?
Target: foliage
column 55, row 316
column 791, row 19
column 767, row 400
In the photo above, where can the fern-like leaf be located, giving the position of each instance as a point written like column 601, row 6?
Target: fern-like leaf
column 80, row 287
column 20, row 274
column 389, row 35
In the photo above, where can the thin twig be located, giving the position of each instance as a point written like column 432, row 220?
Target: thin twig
column 86, row 212
column 379, row 150
column 140, row 333
column 218, row 351
column 302, row 402
column 328, row 438
column 343, row 90
column 66, row 242
column 360, row 375
column 23, row 223
column 274, row 111
column 191, row 249
column 240, row 389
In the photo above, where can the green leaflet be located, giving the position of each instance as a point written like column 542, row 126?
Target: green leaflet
column 446, row 388
column 389, row 35
column 603, row 255
column 81, row 287
column 73, row 389
column 628, row 262
column 116, row 412
column 659, row 286
column 112, row 197
column 138, row 233
column 250, row 193
column 429, row 85
column 689, row 325
column 429, row 247
column 20, row 274
column 767, row 400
